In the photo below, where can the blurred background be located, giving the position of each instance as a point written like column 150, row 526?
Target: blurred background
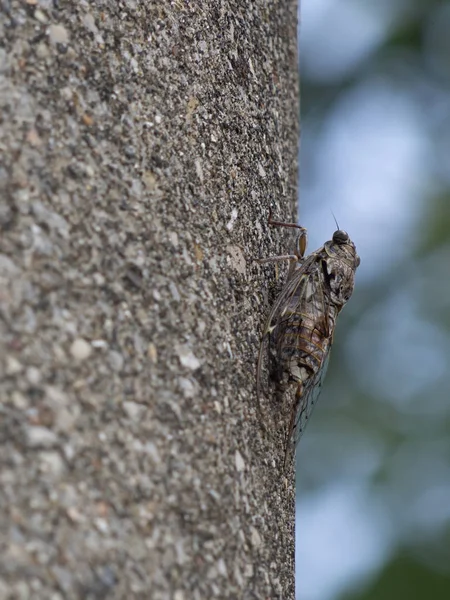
column 373, row 468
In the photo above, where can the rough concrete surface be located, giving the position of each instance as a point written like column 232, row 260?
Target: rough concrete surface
column 141, row 145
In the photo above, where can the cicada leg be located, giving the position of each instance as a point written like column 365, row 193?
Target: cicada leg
column 302, row 238
column 292, row 257
column 270, row 221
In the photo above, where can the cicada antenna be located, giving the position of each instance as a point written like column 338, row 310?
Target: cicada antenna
column 335, row 220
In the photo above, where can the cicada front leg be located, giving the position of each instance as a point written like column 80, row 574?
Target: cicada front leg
column 300, row 244
column 292, row 257
column 302, row 238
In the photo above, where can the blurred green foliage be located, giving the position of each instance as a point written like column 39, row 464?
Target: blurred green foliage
column 401, row 313
column 404, row 577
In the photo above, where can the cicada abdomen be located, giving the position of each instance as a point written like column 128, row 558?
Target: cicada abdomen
column 301, row 323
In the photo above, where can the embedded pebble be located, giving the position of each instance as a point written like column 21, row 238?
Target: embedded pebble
column 188, row 358
column 33, row 375
column 101, row 525
column 89, row 22
column 187, row 387
column 64, row 420
column 199, row 169
column 221, row 567
column 13, row 366
column 173, row 237
column 19, row 400
column 230, row 224
column 38, row 436
column 56, row 396
column 40, row 16
column 115, row 360
column 237, row 259
column 80, row 349
column 152, row 451
column 174, row 291
column 63, row 577
column 99, row 344
column 134, row 410
column 239, row 461
column 52, row 462
column 152, row 353
column 58, row 34
column 255, row 537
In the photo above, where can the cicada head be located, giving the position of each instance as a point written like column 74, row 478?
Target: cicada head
column 340, row 267
column 346, row 248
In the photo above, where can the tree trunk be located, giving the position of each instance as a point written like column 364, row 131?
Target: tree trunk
column 142, row 144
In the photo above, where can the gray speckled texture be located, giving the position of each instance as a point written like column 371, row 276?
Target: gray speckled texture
column 141, row 144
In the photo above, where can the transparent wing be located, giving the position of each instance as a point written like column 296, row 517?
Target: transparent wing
column 309, row 399
column 305, row 283
column 302, row 326
column 291, row 285
column 305, row 299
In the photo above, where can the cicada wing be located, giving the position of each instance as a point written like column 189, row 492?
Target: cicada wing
column 289, row 289
column 309, row 399
column 306, row 309
column 304, row 299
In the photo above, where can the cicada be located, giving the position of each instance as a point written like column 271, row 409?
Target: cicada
column 301, row 323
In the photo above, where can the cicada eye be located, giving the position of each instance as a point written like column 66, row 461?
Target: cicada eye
column 340, row 237
column 357, row 261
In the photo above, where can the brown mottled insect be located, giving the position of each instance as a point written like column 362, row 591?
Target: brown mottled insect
column 301, row 323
